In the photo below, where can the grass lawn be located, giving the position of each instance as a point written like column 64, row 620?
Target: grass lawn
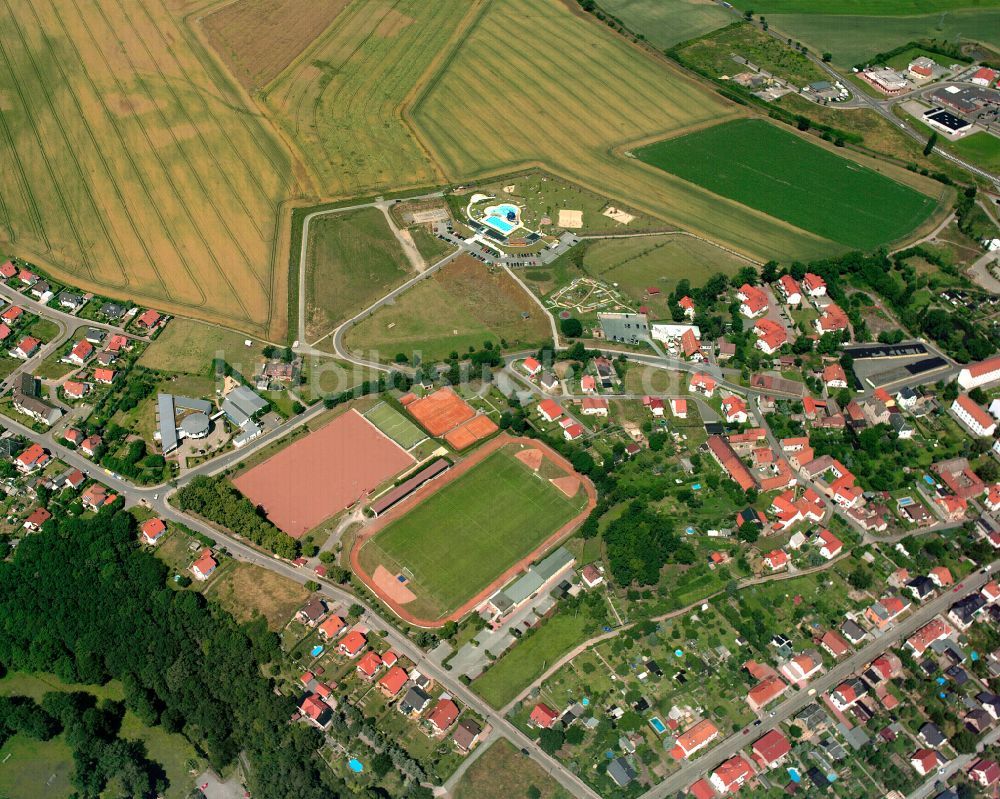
column 30, row 769
column 247, row 591
column 982, row 149
column 41, row 328
column 430, row 246
column 467, row 533
column 391, row 422
column 529, row 658
column 667, row 22
column 502, row 773
column 352, row 260
column 637, row 263
column 781, row 174
column 460, row 306
column 190, row 347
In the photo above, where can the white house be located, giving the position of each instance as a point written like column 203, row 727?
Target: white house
column 979, row 422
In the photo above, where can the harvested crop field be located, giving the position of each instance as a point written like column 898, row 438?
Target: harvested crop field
column 790, row 178
column 352, row 260
column 463, row 304
column 323, row 473
column 259, row 38
column 441, row 411
column 133, row 165
column 472, row 528
column 356, row 77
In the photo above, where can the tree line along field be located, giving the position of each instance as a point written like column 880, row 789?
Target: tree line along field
column 665, row 23
column 567, row 94
column 341, row 101
column 133, row 166
column 259, row 38
column 459, row 306
column 792, row 179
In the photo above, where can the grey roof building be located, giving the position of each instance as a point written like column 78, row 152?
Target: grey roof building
column 630, row 328
column 241, row 405
column 414, row 701
column 621, row 771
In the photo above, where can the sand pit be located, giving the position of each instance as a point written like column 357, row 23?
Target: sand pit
column 476, row 429
column 569, row 485
column 570, row 219
column 532, row 458
column 618, row 215
column 441, row 411
column 389, row 585
column 323, row 473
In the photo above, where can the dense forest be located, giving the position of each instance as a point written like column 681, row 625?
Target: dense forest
column 82, row 600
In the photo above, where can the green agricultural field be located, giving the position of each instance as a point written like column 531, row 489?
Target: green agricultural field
column 462, row 537
column 786, row 176
column 714, row 55
column 666, row 22
column 529, row 658
column 874, row 8
column 352, row 260
column 190, row 347
column 637, row 263
column 391, row 422
column 462, row 305
column 502, row 772
column 852, row 39
column 583, row 98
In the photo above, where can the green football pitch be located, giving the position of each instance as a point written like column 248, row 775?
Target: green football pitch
column 465, row 535
column 395, row 425
column 788, row 177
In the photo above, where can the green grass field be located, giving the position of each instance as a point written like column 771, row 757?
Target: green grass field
column 666, row 22
column 391, row 422
column 982, row 149
column 502, row 772
column 529, row 658
column 875, row 8
column 786, row 176
column 189, row 347
column 462, row 305
column 467, row 533
column 637, row 263
column 352, row 260
column 429, row 245
column 854, row 38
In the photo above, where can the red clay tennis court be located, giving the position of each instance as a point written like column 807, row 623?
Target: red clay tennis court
column 323, row 473
column 476, row 429
column 441, row 411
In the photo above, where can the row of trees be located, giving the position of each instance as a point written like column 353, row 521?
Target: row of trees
column 83, row 601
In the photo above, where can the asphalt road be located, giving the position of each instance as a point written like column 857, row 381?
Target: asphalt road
column 692, row 770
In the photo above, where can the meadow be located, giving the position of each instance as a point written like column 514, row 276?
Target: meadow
column 356, row 77
column 247, row 591
column 502, row 772
column 467, row 533
column 134, row 166
column 853, row 38
column 792, row 179
column 982, row 149
column 190, row 347
column 259, row 38
column 665, row 23
column 637, row 263
column 352, row 260
column 461, row 305
column 579, row 98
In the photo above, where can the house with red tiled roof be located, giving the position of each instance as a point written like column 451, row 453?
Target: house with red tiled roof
column 8, row 270
column 549, row 410
column 532, row 366
column 90, row 445
column 829, row 545
column 730, row 776
column 33, row 458
column 444, row 714
column 352, row 644
column 153, row 530
column 848, row 693
column 28, row 347
column 75, row 479
column 734, row 409
column 771, row 336
column 588, row 384
column 991, row 591
column 573, row 431
column 753, row 301
column 979, row 374
column 148, row 319
column 694, row 739
column 36, row 519
column 973, row 416
column 591, row 576
column 543, row 716
column 81, row 352
column 331, row 627
column 814, row 285
column 771, row 749
column 702, row 384
column 831, row 320
column 926, row 761
column 984, row 76
column 765, row 692
column 316, row 711
column 75, row 389
column 392, row 681
column 730, row 463
column 203, row 568
column 993, row 497
column 776, row 559
column 97, row 496
column 834, row 376
column 12, row 314
column 655, row 404
column 690, row 346
column 5, row 331
column 594, row 406
column 801, row 667
column 790, row 290
column 700, row 789
column 954, row 508
column 834, row 643
column 985, row 773
column 687, row 305
column 941, row 576
column 27, row 277
column 882, row 613
column 105, row 376
column 118, row 342
column 369, row 665
column 935, row 630
column 679, row 408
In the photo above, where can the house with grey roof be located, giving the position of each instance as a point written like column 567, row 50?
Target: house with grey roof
column 621, row 771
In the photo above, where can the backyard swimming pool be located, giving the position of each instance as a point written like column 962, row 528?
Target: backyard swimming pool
column 355, row 765
column 316, row 651
column 657, row 725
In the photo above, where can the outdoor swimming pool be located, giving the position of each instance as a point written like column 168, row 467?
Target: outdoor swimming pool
column 355, row 765
column 504, row 217
column 316, row 651
column 904, row 502
column 657, row 725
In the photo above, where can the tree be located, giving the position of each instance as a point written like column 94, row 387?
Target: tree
column 355, row 611
column 551, row 740
column 749, row 532
column 533, row 792
column 571, row 327
column 931, row 141
column 827, row 57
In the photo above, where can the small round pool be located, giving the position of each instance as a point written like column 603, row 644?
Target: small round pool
column 316, row 651
column 585, row 701
column 355, row 765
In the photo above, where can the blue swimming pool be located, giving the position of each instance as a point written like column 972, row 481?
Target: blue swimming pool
column 499, row 223
column 503, row 217
column 355, row 765
column 904, row 502
column 657, row 725
column 793, row 774
column 316, row 651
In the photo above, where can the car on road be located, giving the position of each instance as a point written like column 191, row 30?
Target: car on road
column 957, row 588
